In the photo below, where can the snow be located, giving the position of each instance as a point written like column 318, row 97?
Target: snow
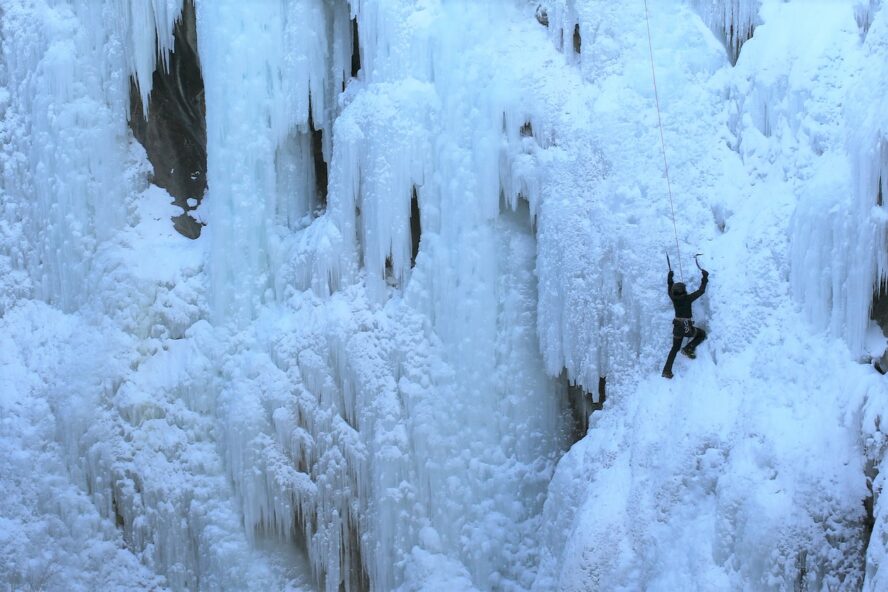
column 295, row 401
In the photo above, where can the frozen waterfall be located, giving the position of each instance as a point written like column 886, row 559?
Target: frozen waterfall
column 420, row 233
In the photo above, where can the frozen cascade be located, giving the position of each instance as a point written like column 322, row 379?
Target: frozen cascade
column 845, row 238
column 391, row 396
column 596, row 197
column 680, row 482
column 292, row 401
column 336, row 387
column 284, row 58
column 863, row 209
column 119, row 437
column 58, row 80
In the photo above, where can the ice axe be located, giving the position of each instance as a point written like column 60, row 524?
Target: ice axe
column 698, row 263
column 669, row 263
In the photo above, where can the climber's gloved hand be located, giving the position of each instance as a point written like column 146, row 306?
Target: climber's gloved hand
column 671, row 274
column 705, row 274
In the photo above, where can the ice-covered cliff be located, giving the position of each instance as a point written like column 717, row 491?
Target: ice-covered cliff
column 424, row 228
column 754, row 469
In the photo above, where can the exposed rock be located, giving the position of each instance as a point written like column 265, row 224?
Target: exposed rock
column 174, row 134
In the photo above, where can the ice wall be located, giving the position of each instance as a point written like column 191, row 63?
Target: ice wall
column 425, row 357
column 264, row 67
column 296, row 382
column 294, row 378
column 61, row 111
column 54, row 537
column 863, row 212
column 66, row 89
column 838, row 240
column 84, row 234
column 868, row 146
column 679, row 481
column 605, row 220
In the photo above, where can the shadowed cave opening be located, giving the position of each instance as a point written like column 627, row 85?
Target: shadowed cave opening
column 356, row 49
column 320, row 165
column 174, row 134
column 415, row 227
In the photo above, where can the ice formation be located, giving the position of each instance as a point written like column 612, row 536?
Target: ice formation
column 319, row 389
column 733, row 21
column 424, row 221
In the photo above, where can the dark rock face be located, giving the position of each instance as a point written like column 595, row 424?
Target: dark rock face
column 356, row 50
column 320, row 165
column 174, row 135
column 879, row 310
column 582, row 404
column 415, row 227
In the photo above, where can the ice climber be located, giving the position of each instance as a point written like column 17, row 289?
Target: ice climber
column 683, row 324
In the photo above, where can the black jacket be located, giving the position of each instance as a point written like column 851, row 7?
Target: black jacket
column 682, row 303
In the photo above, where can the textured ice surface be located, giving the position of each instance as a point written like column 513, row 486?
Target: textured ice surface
column 293, row 401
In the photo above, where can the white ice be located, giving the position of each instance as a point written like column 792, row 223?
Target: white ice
column 293, row 401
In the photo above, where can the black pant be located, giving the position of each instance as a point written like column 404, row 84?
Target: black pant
column 677, row 337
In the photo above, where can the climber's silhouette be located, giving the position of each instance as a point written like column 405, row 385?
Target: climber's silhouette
column 683, row 324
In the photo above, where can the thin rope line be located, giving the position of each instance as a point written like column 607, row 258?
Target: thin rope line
column 662, row 140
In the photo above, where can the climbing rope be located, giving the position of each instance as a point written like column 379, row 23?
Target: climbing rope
column 662, row 140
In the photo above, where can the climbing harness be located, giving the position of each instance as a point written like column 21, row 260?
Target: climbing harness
column 685, row 326
column 663, row 141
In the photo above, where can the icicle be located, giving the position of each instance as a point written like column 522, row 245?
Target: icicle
column 838, row 254
column 147, row 27
column 70, row 91
column 864, row 13
column 733, row 21
column 262, row 153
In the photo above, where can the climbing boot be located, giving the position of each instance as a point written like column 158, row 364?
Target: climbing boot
column 689, row 352
column 667, row 374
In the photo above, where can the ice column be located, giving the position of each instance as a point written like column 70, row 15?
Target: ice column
column 147, row 26
column 430, row 114
column 733, row 21
column 67, row 114
column 840, row 246
column 66, row 67
column 264, row 64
